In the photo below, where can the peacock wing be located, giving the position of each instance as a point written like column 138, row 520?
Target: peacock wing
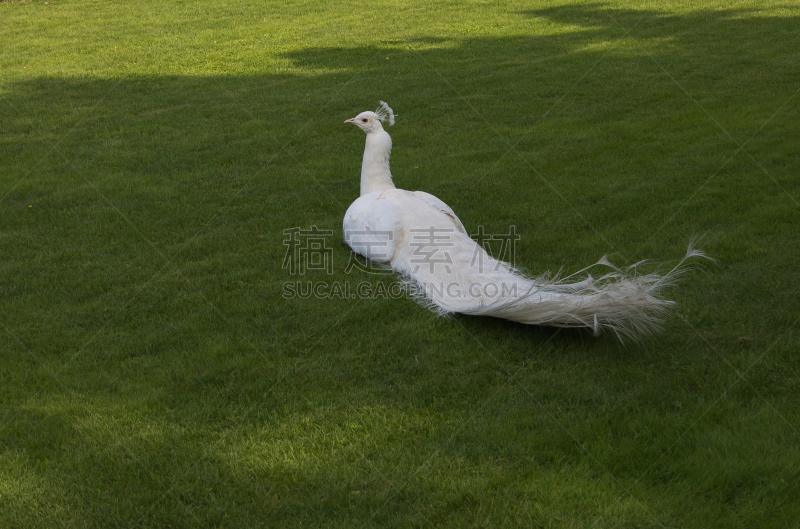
column 372, row 226
column 434, row 202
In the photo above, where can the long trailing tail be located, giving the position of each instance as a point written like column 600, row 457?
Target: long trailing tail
column 467, row 280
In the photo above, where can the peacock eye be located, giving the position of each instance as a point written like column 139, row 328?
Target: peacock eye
column 364, row 120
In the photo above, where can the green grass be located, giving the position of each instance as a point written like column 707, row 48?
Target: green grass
column 153, row 153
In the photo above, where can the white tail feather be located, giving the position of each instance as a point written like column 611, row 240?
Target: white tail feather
column 622, row 301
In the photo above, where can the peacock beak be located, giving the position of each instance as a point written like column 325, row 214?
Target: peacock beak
column 351, row 120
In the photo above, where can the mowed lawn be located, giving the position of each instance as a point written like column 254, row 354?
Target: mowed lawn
column 162, row 366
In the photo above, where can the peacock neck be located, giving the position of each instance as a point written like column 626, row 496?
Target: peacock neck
column 375, row 173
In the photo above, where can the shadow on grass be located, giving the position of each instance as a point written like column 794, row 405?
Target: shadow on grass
column 156, row 372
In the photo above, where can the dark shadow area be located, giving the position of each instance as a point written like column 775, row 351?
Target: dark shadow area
column 142, row 234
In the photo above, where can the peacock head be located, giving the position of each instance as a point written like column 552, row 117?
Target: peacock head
column 366, row 121
column 371, row 121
